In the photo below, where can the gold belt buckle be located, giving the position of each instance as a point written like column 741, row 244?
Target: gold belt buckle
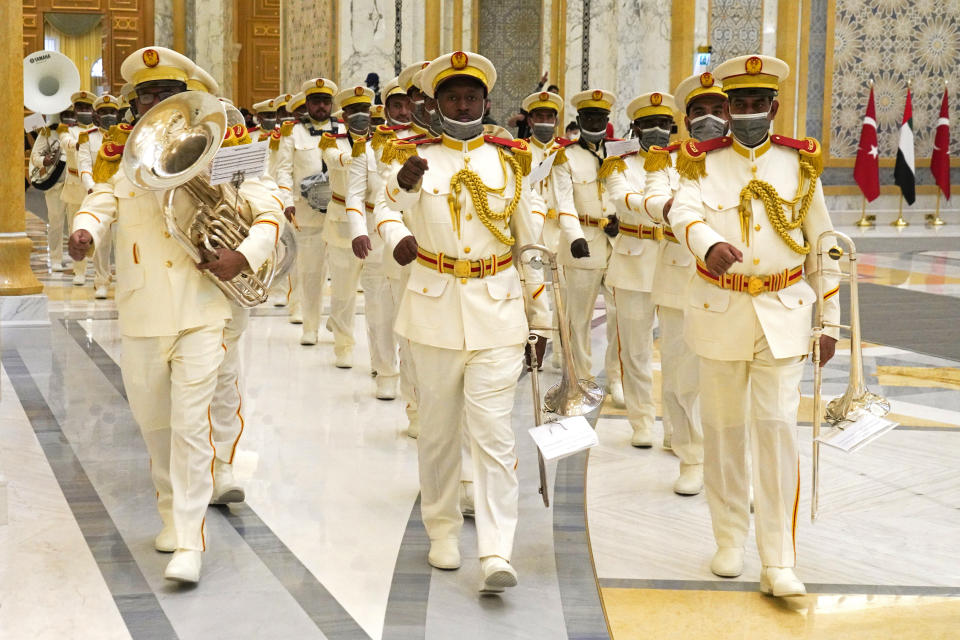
column 461, row 268
column 755, row 286
column 658, row 233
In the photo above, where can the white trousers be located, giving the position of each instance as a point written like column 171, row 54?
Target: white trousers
column 774, row 397
column 56, row 220
column 479, row 387
column 380, row 313
column 581, row 287
column 169, row 382
column 680, row 369
column 101, row 261
column 408, row 372
column 226, row 407
column 311, row 275
column 344, row 277
column 635, row 313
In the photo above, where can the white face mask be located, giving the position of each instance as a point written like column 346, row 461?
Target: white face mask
column 750, row 129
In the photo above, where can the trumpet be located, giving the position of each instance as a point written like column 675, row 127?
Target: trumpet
column 857, row 400
column 570, row 396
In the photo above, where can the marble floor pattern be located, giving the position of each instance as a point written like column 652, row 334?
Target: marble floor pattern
column 329, row 543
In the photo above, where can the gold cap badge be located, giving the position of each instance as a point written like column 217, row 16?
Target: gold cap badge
column 319, row 82
column 544, row 95
column 656, row 99
column 459, row 60
column 598, row 95
column 753, row 65
column 706, row 79
column 358, row 91
column 151, row 58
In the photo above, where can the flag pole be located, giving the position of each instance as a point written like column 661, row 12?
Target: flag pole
column 935, row 220
column 900, row 223
column 865, row 221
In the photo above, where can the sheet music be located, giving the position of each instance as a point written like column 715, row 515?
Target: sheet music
column 620, row 147
column 564, row 437
column 858, row 434
column 542, row 170
column 33, row 121
column 248, row 160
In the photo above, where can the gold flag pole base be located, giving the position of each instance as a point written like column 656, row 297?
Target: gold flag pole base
column 866, row 221
column 900, row 223
column 934, row 219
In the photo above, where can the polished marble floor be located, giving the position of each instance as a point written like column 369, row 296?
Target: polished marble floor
column 329, row 542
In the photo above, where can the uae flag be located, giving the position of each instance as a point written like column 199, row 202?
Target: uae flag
column 904, row 175
column 940, row 159
column 866, row 171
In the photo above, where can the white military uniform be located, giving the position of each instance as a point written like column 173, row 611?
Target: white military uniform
column 364, row 186
column 466, row 332
column 90, row 142
column 300, row 157
column 171, row 321
column 581, row 195
column 73, row 192
column 56, row 209
column 630, row 274
column 679, row 365
column 751, row 329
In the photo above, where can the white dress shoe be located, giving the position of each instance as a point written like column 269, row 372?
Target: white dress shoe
column 727, row 562
column 466, row 498
column 79, row 280
column 100, row 293
column 444, row 554
column 497, row 574
column 344, row 359
column 690, row 482
column 615, row 390
column 413, row 429
column 667, row 441
column 387, row 387
column 278, row 301
column 308, row 338
column 642, row 437
column 166, row 540
column 781, row 582
column 225, row 488
column 184, row 566
column 296, row 318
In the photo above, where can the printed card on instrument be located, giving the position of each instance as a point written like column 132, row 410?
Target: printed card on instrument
column 564, row 438
column 247, row 160
column 857, row 434
column 542, row 170
column 620, row 147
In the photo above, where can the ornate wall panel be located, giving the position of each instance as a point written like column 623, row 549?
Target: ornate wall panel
column 509, row 35
column 258, row 68
column 129, row 26
column 736, row 28
column 309, row 40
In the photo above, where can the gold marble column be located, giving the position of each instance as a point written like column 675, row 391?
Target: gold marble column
column 432, row 28
column 180, row 26
column 16, row 278
column 457, row 25
column 681, row 40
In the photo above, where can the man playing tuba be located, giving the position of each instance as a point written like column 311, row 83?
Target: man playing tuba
column 171, row 315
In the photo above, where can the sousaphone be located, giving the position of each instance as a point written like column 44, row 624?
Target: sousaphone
column 49, row 79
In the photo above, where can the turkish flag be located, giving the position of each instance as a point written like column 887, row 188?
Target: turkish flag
column 866, row 170
column 940, row 159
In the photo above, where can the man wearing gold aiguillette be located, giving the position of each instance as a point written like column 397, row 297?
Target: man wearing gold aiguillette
column 171, row 314
column 750, row 207
column 463, row 309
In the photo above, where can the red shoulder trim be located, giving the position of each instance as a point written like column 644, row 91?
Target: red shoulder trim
column 423, row 140
column 506, row 142
column 672, row 147
column 111, row 150
column 563, row 142
column 334, row 135
column 125, row 126
column 695, row 148
column 394, row 127
column 807, row 144
column 275, row 134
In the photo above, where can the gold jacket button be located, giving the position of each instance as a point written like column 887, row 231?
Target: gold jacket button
column 706, row 305
column 436, row 190
column 757, row 228
column 469, row 216
column 133, row 194
column 424, row 289
column 166, row 234
column 466, row 249
column 169, row 264
column 674, row 262
column 756, row 261
column 463, row 281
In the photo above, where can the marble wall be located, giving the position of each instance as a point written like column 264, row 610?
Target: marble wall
column 214, row 47
column 411, row 36
column 163, row 23
column 509, row 34
column 366, row 40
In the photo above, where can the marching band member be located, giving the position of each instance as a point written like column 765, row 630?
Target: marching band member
column 581, row 195
column 704, row 102
column 56, row 208
column 300, row 158
column 462, row 309
column 630, row 272
column 345, row 267
column 73, row 191
column 105, row 109
column 171, row 315
column 749, row 207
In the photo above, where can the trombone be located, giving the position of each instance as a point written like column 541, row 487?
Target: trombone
column 570, row 396
column 857, row 400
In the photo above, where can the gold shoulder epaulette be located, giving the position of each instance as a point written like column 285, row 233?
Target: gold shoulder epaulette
column 327, row 141
column 83, row 138
column 807, row 148
column 62, row 128
column 523, row 156
column 108, row 161
column 611, row 164
column 119, row 133
column 658, row 158
column 561, row 153
column 359, row 147
column 286, row 128
column 400, row 151
column 275, row 140
column 381, row 136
